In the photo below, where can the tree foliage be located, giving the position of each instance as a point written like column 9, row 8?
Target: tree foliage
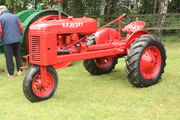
column 95, row 7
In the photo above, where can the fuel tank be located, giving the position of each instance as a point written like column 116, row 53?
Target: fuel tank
column 84, row 26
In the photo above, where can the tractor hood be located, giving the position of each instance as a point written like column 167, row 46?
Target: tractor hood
column 64, row 26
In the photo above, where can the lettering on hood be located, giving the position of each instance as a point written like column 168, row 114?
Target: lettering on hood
column 72, row 25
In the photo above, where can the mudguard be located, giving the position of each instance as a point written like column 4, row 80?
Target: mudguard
column 132, row 37
column 106, row 35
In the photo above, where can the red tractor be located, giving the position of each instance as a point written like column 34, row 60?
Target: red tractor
column 69, row 39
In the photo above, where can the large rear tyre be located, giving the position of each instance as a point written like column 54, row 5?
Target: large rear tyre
column 32, row 87
column 100, row 66
column 145, row 61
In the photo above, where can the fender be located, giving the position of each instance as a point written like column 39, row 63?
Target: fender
column 131, row 38
column 106, row 35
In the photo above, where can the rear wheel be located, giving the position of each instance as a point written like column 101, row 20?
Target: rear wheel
column 32, row 87
column 146, row 61
column 101, row 65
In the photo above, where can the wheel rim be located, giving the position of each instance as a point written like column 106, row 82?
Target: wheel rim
column 150, row 62
column 38, row 89
column 103, row 62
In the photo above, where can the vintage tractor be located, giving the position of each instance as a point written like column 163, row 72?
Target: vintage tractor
column 56, row 41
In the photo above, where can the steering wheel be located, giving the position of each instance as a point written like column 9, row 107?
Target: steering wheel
column 128, row 11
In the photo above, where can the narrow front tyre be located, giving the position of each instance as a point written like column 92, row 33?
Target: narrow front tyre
column 32, row 84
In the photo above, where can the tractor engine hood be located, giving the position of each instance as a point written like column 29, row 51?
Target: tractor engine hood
column 85, row 26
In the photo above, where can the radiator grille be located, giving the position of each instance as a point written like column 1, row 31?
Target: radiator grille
column 35, row 48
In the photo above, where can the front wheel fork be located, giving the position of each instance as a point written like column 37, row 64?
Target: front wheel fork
column 43, row 74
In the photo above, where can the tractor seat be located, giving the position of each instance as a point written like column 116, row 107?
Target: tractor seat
column 134, row 27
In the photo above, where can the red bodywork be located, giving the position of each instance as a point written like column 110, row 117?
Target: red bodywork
column 54, row 41
column 47, row 37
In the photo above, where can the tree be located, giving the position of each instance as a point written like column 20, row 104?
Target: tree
column 163, row 8
column 102, row 7
column 155, row 6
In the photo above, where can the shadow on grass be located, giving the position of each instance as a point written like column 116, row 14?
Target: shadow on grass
column 117, row 76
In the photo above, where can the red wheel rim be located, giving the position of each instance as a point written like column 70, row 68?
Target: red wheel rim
column 38, row 89
column 103, row 62
column 150, row 62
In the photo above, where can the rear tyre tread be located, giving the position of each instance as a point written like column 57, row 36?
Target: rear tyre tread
column 92, row 68
column 133, row 60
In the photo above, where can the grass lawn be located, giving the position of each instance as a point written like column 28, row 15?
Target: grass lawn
column 81, row 96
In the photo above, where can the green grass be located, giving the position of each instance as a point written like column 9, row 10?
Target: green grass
column 81, row 96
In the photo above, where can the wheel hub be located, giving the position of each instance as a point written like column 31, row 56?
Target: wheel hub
column 150, row 62
column 42, row 90
column 103, row 62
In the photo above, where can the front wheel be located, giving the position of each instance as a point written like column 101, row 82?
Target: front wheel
column 145, row 61
column 32, row 87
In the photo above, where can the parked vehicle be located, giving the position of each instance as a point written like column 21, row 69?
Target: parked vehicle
column 56, row 41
